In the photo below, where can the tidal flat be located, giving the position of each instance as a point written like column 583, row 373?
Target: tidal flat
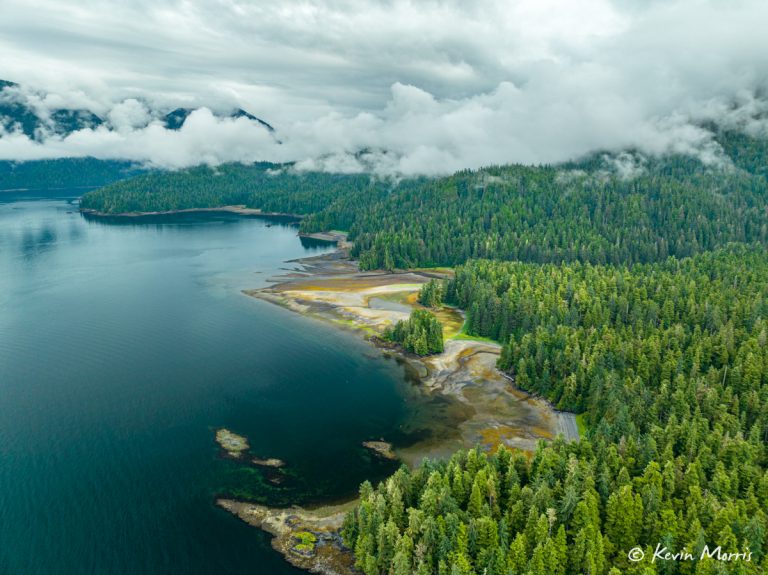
column 479, row 405
column 331, row 288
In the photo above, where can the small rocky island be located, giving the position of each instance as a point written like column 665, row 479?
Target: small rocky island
column 233, row 444
column 236, row 446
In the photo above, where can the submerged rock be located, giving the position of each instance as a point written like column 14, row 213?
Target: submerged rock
column 381, row 448
column 269, row 462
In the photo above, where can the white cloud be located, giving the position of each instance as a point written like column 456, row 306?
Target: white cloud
column 438, row 85
column 129, row 115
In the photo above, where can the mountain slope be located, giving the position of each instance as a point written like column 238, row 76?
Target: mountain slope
column 175, row 120
column 20, row 113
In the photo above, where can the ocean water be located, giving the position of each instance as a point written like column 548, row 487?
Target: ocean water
column 123, row 347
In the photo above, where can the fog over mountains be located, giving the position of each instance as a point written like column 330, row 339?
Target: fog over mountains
column 393, row 87
column 42, row 126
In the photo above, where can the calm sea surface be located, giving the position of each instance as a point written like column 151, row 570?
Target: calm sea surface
column 123, row 347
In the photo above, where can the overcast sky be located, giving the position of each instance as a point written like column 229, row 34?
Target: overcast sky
column 439, row 85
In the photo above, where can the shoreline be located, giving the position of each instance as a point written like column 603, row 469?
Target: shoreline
column 307, row 538
column 47, row 188
column 240, row 210
column 479, row 405
column 331, row 288
column 334, row 237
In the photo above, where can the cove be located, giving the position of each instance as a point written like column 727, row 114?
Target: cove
column 123, row 347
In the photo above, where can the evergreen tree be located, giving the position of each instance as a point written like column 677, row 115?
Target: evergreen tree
column 421, row 333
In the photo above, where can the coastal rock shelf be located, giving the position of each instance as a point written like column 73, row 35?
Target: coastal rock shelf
column 308, row 539
column 492, row 410
column 381, row 448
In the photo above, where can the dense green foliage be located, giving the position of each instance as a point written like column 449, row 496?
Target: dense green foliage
column 624, row 299
column 63, row 173
column 746, row 152
column 421, row 333
column 639, row 301
column 623, row 342
column 431, row 294
column 582, row 211
column 668, row 361
column 268, row 187
column 572, row 509
column 548, row 214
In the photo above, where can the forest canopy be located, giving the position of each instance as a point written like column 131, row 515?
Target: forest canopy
column 421, row 333
column 585, row 211
column 638, row 302
column 669, row 364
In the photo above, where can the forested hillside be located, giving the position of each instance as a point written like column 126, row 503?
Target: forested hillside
column 269, row 187
column 547, row 214
column 670, row 365
column 630, row 290
column 571, row 509
column 64, row 173
column 585, row 211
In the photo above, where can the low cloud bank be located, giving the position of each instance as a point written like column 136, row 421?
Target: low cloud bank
column 414, row 134
column 649, row 77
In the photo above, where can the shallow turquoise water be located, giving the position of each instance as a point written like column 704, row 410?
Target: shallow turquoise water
column 122, row 349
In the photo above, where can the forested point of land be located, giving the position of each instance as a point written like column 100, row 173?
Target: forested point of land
column 268, row 187
column 638, row 301
column 421, row 333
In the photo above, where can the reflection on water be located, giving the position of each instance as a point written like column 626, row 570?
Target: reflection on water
column 311, row 243
column 123, row 347
column 162, row 221
column 75, row 232
column 37, row 241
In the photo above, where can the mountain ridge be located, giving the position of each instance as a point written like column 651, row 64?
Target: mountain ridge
column 17, row 115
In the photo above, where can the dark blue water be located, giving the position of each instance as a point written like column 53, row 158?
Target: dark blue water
column 122, row 349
